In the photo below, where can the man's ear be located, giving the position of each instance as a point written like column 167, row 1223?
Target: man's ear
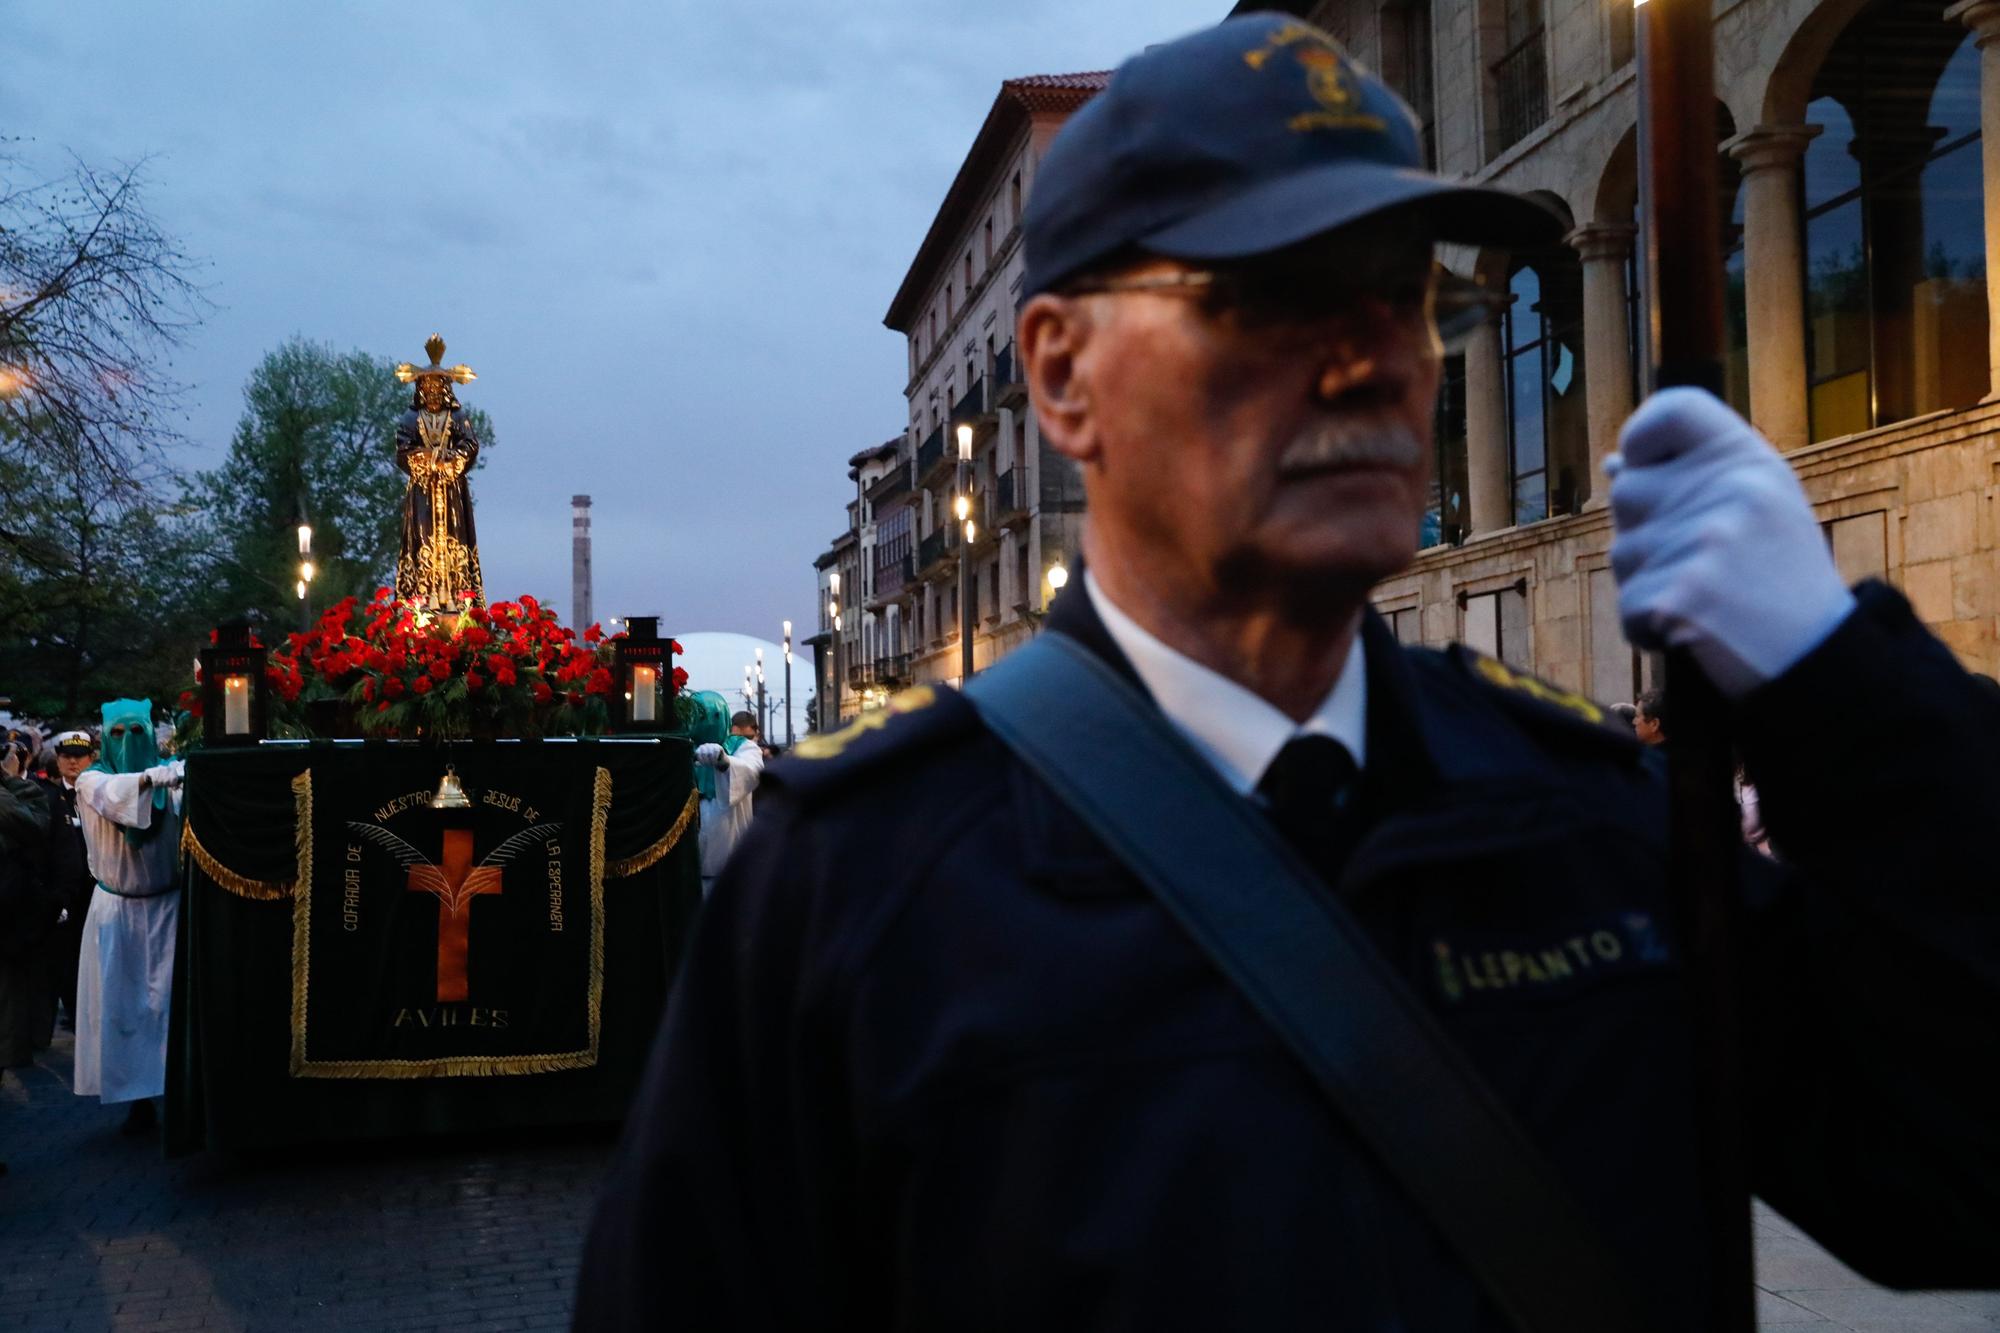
column 1051, row 334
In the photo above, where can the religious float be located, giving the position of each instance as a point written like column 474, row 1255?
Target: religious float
column 440, row 854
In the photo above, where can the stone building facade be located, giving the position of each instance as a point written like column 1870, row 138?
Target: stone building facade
column 1860, row 187
column 1858, row 158
column 955, row 309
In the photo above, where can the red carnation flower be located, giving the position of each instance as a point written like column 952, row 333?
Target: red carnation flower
column 678, row 650
column 382, row 707
column 542, row 692
column 383, row 594
column 440, row 670
column 367, row 690
column 600, row 681
column 574, row 698
column 397, row 660
column 422, row 685
column 593, row 634
column 474, row 681
column 392, row 687
column 680, row 678
column 505, row 677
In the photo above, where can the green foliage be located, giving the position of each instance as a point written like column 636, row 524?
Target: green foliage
column 316, row 442
column 91, row 588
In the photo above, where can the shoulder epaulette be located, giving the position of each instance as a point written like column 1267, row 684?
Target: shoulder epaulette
column 1542, row 704
column 910, row 721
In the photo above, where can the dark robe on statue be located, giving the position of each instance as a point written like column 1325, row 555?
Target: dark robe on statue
column 440, row 555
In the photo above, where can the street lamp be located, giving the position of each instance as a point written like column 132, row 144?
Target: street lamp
column 833, row 610
column 1058, row 577
column 305, row 572
column 962, row 507
column 763, row 700
column 788, row 684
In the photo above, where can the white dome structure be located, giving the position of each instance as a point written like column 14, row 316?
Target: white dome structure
column 714, row 660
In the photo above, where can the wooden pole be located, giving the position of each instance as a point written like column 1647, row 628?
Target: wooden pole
column 1681, row 239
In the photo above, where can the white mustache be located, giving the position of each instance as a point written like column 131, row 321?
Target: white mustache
column 1339, row 444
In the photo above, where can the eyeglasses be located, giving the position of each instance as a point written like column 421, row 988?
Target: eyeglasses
column 1267, row 296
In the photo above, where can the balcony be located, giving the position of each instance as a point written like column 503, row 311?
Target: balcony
column 1008, row 390
column 930, row 453
column 932, row 553
column 971, row 406
column 890, row 485
column 1521, row 82
column 1010, row 495
column 860, row 674
column 893, row 669
column 891, row 575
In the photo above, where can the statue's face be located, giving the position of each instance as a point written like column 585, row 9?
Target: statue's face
column 430, row 392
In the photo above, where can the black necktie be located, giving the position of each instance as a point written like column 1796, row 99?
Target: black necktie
column 1308, row 792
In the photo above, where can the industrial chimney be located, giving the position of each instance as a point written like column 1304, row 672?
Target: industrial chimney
column 579, row 561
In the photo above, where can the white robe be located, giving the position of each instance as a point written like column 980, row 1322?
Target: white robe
column 125, row 976
column 724, row 818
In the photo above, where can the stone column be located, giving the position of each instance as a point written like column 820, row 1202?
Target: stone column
column 1983, row 17
column 1774, row 278
column 1607, row 341
column 1488, row 507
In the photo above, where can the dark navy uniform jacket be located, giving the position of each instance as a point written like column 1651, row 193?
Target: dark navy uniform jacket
column 937, row 1061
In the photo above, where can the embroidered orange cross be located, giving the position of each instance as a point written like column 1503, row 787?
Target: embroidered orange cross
column 456, row 883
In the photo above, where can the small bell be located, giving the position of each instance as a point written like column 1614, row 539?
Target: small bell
column 450, row 792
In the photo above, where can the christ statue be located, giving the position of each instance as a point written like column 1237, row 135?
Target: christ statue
column 439, row 561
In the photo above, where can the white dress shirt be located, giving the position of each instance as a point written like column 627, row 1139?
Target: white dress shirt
column 1239, row 732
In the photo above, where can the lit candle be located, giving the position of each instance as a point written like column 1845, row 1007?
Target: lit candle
column 645, row 681
column 236, row 705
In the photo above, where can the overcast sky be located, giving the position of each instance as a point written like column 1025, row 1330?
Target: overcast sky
column 663, row 234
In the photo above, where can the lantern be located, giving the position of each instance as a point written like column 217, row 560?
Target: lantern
column 645, row 676
column 234, row 693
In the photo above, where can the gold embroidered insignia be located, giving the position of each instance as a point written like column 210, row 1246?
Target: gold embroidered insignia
column 1328, row 75
column 832, row 744
column 1500, row 674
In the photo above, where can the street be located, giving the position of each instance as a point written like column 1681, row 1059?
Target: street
column 98, row 1233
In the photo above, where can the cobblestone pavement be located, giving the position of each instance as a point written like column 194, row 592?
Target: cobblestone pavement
column 98, row 1233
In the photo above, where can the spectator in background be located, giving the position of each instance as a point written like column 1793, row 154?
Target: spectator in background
column 738, row 763
column 1649, row 722
column 67, row 867
column 1625, row 713
column 26, row 910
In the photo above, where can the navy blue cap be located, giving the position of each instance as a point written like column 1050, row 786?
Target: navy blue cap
column 1242, row 138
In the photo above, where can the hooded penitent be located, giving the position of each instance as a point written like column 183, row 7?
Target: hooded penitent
column 710, row 727
column 129, row 747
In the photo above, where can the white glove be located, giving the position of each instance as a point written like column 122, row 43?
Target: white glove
column 710, row 754
column 1717, row 549
column 166, row 775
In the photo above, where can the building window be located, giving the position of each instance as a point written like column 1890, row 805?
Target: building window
column 1621, row 19
column 1496, row 624
column 968, row 274
column 1406, row 63
column 1896, row 314
column 1541, row 348
column 1014, row 200
column 989, row 240
column 1520, row 75
column 1444, row 516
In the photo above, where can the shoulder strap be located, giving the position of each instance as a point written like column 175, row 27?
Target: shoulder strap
column 1390, row 1071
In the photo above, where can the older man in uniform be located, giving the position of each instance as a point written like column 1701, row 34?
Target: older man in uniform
column 939, row 1059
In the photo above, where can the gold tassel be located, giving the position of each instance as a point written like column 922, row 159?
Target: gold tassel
column 302, row 806
column 260, row 889
column 646, row 860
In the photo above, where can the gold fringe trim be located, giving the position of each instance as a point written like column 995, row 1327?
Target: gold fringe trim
column 262, row 890
column 646, row 860
column 450, row 1066
column 302, row 834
